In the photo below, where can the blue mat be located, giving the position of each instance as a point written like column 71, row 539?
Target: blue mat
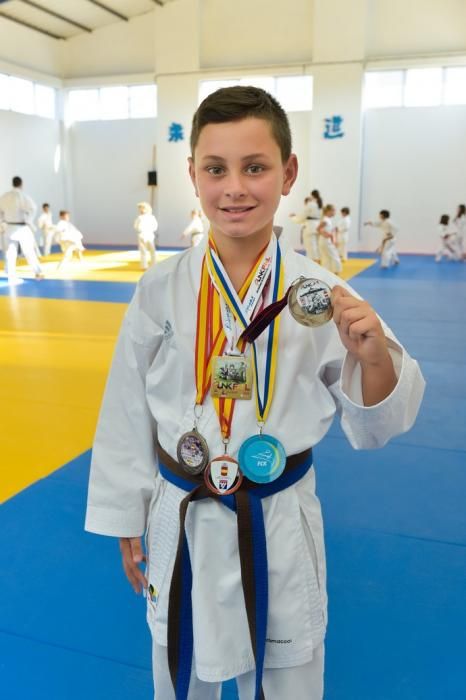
column 82, row 290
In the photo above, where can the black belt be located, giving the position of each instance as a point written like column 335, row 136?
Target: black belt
column 253, row 561
column 313, row 218
column 16, row 223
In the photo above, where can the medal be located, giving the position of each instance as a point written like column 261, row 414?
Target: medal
column 193, row 452
column 262, row 458
column 232, row 377
column 223, row 475
column 309, row 302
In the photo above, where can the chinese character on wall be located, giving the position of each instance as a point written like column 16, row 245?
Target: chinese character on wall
column 333, row 129
column 175, row 132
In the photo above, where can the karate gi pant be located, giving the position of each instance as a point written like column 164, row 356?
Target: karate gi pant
column 50, row 235
column 304, row 682
column 342, row 246
column 311, row 240
column 20, row 236
column 68, row 248
column 389, row 255
column 329, row 256
column 147, row 252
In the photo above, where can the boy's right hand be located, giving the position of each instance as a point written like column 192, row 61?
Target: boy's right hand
column 132, row 556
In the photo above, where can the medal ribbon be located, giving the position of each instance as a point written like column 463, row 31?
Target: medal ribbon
column 243, row 313
column 211, row 340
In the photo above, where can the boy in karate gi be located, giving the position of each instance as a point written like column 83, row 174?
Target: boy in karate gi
column 49, row 232
column 387, row 248
column 343, row 229
column 238, row 590
column 194, row 231
column 146, row 225
column 70, row 238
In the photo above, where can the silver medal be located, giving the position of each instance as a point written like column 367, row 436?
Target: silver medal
column 193, row 452
column 309, row 302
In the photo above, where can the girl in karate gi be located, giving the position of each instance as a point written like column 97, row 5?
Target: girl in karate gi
column 329, row 257
column 449, row 247
column 343, row 230
column 146, row 225
column 387, row 248
column 70, row 239
column 220, row 618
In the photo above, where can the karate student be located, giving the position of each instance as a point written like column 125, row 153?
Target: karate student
column 17, row 212
column 343, row 229
column 257, row 569
column 449, row 247
column 194, row 231
column 460, row 224
column 70, row 239
column 146, row 225
column 329, row 257
column 387, row 248
column 49, row 232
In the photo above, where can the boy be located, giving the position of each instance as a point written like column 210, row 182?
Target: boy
column 70, row 238
column 195, row 229
column 343, row 229
column 146, row 225
column 252, row 564
column 45, row 224
column 387, row 248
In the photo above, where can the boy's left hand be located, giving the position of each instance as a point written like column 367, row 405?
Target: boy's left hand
column 359, row 327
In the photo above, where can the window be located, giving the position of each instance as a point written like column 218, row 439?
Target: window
column 83, row 105
column 293, row 92
column 114, row 103
column 21, row 95
column 455, row 86
column 142, row 101
column 4, row 92
column 44, row 101
column 384, row 89
column 423, row 87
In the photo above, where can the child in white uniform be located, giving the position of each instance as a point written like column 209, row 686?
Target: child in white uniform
column 146, row 225
column 387, row 248
column 49, row 232
column 200, row 595
column 70, row 239
column 449, row 247
column 194, row 231
column 460, row 224
column 343, row 230
column 329, row 257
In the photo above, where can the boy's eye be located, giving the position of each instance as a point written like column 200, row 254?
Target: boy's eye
column 214, row 170
column 255, row 169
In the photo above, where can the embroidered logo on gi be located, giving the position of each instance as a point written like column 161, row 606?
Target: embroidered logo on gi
column 153, row 594
column 168, row 330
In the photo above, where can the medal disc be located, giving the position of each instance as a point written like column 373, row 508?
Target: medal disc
column 310, row 302
column 262, row 458
column 193, row 452
column 223, row 476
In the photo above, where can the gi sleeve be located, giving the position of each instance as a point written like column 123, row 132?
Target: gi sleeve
column 123, row 466
column 368, row 427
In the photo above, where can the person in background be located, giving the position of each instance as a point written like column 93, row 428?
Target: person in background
column 343, row 229
column 460, row 224
column 194, row 231
column 45, row 224
column 70, row 239
column 17, row 212
column 387, row 248
column 329, row 257
column 449, row 248
column 146, row 225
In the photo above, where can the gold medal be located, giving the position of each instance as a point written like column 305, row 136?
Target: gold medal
column 231, row 377
column 309, row 302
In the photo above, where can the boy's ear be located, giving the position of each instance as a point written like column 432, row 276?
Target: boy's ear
column 290, row 173
column 192, row 174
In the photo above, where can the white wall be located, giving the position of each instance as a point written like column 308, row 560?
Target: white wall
column 28, row 146
column 414, row 166
column 30, row 50
column 110, row 161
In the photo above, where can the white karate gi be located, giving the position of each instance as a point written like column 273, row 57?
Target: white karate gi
column 194, row 230
column 150, row 394
column 329, row 257
column 17, row 211
column 343, row 230
column 460, row 224
column 70, row 239
column 146, row 225
column 449, row 247
column 49, row 232
column 387, row 249
column 309, row 219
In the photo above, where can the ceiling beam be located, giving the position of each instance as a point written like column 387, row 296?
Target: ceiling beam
column 159, row 2
column 31, row 26
column 56, row 14
column 109, row 9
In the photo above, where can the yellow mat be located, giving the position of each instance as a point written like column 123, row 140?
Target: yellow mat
column 54, row 359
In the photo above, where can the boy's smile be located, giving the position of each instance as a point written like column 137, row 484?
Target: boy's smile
column 239, row 176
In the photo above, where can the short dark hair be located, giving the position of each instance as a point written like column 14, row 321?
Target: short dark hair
column 345, row 211
column 232, row 104
column 444, row 219
column 16, row 181
column 45, row 204
column 384, row 213
column 63, row 212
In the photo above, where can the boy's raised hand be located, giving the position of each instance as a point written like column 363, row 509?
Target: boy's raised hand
column 132, row 556
column 362, row 335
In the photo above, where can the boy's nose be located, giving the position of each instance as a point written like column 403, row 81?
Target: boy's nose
column 235, row 187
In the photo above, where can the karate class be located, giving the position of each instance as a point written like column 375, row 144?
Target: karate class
column 96, row 102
